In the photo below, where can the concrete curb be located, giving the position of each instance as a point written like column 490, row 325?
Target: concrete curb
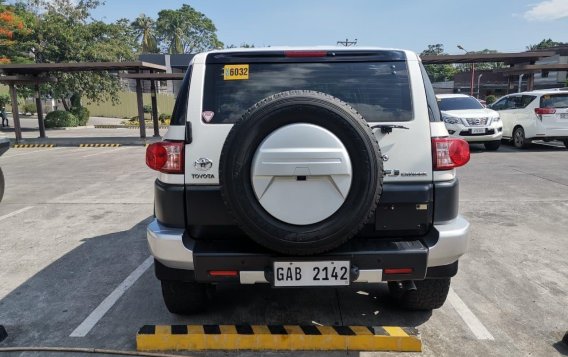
column 27, row 146
column 99, row 145
column 118, row 126
column 277, row 338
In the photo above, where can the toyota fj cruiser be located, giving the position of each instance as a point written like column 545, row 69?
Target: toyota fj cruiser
column 306, row 168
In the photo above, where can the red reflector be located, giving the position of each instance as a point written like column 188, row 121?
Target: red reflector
column 541, row 111
column 166, row 157
column 231, row 273
column 305, row 53
column 398, row 271
column 448, row 153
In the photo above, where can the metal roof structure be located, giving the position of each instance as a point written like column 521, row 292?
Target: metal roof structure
column 36, row 73
column 40, row 68
column 507, row 58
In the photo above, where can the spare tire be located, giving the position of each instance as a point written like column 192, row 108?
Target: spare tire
column 301, row 172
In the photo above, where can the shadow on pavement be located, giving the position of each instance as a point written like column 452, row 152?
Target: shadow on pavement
column 48, row 306
column 45, row 309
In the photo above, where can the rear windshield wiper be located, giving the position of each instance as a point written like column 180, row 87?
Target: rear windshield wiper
column 387, row 128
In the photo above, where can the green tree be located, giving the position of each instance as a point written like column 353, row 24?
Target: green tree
column 243, row 45
column 545, row 43
column 186, row 30
column 145, row 29
column 14, row 33
column 438, row 72
column 64, row 32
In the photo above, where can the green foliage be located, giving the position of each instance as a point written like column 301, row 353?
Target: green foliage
column 163, row 117
column 82, row 114
column 438, row 72
column 490, row 99
column 64, row 32
column 29, row 108
column 243, row 45
column 186, row 30
column 545, row 43
column 145, row 29
column 4, row 100
column 147, row 108
column 60, row 119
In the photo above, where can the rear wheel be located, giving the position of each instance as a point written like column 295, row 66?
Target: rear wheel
column 1, row 185
column 493, row 145
column 184, row 298
column 429, row 294
column 519, row 139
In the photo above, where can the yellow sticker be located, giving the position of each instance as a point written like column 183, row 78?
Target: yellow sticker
column 232, row 72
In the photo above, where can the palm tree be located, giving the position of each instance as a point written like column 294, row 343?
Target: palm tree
column 172, row 28
column 145, row 28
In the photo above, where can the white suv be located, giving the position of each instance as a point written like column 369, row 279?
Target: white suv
column 305, row 168
column 535, row 115
column 467, row 118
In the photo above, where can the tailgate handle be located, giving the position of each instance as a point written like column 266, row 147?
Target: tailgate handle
column 387, row 128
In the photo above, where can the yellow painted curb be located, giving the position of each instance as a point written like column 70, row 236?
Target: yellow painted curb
column 27, row 146
column 99, row 145
column 277, row 338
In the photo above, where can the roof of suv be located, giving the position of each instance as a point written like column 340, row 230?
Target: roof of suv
column 543, row 91
column 305, row 48
column 443, row 96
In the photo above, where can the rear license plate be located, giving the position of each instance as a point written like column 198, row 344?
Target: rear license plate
column 320, row 273
column 478, row 130
column 563, row 115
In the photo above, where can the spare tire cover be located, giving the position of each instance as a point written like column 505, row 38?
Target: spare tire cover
column 301, row 172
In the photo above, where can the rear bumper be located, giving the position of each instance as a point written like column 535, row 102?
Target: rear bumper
column 434, row 255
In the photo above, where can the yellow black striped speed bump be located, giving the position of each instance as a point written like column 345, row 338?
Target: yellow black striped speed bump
column 277, row 338
column 28, row 146
column 99, row 145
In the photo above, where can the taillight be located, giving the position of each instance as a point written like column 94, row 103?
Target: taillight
column 305, row 53
column 541, row 111
column 448, row 153
column 166, row 157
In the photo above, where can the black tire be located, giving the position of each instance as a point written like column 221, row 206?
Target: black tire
column 565, row 141
column 269, row 115
column 519, row 139
column 429, row 294
column 492, row 145
column 1, row 184
column 184, row 298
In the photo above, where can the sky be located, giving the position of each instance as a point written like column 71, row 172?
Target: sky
column 503, row 25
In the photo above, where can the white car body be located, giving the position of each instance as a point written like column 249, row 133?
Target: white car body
column 519, row 111
column 479, row 125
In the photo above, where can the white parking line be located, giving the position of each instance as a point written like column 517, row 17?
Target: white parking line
column 480, row 332
column 86, row 326
column 15, row 213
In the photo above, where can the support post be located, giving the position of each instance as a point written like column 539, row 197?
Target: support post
column 155, row 118
column 39, row 108
column 140, row 101
column 15, row 112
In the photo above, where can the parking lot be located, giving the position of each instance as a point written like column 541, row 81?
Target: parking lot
column 72, row 230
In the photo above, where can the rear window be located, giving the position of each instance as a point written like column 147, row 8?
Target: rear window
column 554, row 101
column 180, row 108
column 380, row 91
column 459, row 103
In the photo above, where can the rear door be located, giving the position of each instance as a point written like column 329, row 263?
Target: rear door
column 378, row 84
column 554, row 109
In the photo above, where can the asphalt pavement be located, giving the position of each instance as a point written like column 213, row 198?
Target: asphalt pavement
column 72, row 232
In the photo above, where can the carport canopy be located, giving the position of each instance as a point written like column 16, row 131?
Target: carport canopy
column 36, row 73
